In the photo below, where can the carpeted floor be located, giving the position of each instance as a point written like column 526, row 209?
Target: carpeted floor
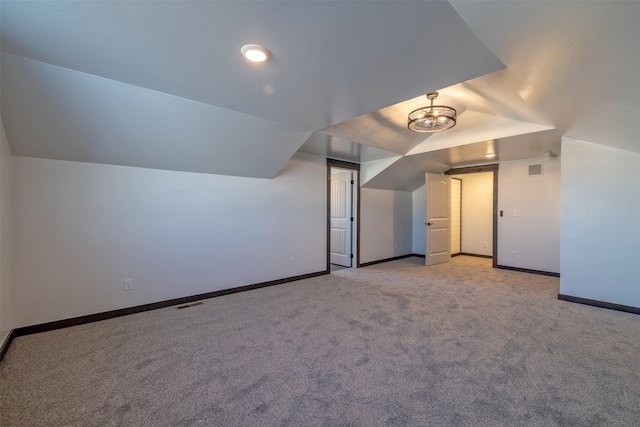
column 394, row 344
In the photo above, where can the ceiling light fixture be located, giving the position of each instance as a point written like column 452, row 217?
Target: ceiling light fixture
column 434, row 118
column 255, row 53
column 490, row 155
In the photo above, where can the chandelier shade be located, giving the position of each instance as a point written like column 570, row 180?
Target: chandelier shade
column 434, row 118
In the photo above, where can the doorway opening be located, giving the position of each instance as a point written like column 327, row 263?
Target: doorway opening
column 343, row 215
column 478, row 198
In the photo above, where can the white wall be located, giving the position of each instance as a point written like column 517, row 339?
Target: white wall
column 419, row 219
column 600, row 223
column 477, row 213
column 402, row 222
column 6, row 178
column 385, row 229
column 80, row 229
column 535, row 235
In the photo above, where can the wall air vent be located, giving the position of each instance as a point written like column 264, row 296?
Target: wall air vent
column 535, row 169
column 180, row 307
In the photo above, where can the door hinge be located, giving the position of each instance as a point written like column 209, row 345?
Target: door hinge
column 351, row 219
column 352, row 182
column 351, row 256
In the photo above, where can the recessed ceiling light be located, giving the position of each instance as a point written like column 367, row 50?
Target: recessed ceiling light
column 490, row 155
column 254, row 53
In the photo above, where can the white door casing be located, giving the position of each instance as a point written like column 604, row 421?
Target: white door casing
column 341, row 214
column 438, row 244
column 456, row 216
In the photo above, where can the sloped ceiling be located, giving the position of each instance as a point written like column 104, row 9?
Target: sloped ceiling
column 63, row 114
column 344, row 149
column 407, row 173
column 572, row 69
column 162, row 84
column 570, row 65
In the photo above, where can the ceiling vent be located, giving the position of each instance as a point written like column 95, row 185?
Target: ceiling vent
column 535, row 169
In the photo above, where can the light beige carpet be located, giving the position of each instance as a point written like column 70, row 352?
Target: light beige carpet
column 395, row 344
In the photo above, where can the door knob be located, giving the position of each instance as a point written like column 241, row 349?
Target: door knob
column 429, row 223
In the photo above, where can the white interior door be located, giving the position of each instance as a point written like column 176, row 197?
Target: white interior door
column 341, row 223
column 438, row 245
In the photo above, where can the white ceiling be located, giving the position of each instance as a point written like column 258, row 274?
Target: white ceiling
column 162, row 84
column 407, row 173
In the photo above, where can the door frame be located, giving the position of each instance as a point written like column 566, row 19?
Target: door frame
column 486, row 168
column 350, row 166
column 344, row 219
column 460, row 224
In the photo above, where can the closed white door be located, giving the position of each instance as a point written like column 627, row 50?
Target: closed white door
column 438, row 246
column 341, row 218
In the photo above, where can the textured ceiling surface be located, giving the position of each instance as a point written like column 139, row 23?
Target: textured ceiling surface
column 162, row 84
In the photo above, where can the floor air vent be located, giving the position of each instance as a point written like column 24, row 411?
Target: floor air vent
column 535, row 169
column 180, row 307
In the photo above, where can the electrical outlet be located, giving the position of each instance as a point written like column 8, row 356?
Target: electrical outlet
column 128, row 284
column 485, row 244
column 290, row 261
column 513, row 254
column 517, row 212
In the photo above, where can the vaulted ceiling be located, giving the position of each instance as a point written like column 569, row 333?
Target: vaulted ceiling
column 162, row 84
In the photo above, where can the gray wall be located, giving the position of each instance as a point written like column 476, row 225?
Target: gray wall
column 535, row 235
column 385, row 224
column 80, row 229
column 419, row 229
column 6, row 210
column 600, row 223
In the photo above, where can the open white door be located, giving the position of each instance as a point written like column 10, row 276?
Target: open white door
column 340, row 237
column 438, row 247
